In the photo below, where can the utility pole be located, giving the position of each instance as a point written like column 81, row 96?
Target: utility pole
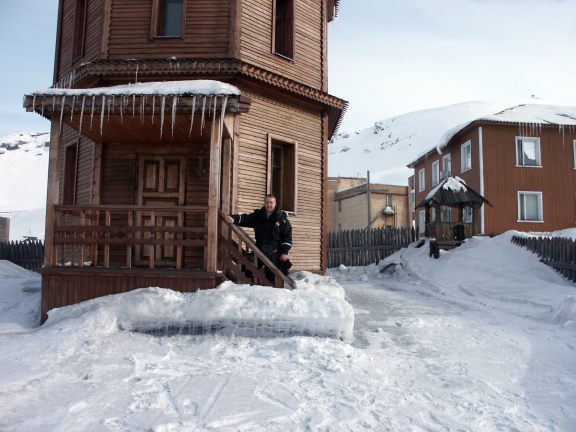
column 369, row 198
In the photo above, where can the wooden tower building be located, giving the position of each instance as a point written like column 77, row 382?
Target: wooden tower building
column 167, row 114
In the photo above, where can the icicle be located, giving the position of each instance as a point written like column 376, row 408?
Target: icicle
column 142, row 107
column 203, row 113
column 136, row 73
column 192, row 116
column 153, row 107
column 215, row 100
column 121, row 108
column 62, row 111
column 92, row 110
column 113, row 103
column 103, row 109
column 72, row 107
column 133, row 105
column 81, row 115
column 222, row 114
column 162, row 108
column 108, row 103
column 53, row 104
column 174, row 107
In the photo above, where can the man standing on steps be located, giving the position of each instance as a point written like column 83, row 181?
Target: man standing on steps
column 273, row 232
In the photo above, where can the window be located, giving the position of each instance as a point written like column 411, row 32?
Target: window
column 389, row 200
column 467, row 215
column 421, row 221
column 446, row 214
column 413, row 197
column 432, row 214
column 283, row 43
column 446, row 166
column 530, row 207
column 339, row 205
column 79, row 29
column 168, row 16
column 421, row 181
column 435, row 173
column 282, row 171
column 466, row 156
column 528, row 151
column 70, row 166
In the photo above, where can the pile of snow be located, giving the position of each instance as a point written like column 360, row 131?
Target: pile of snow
column 19, row 298
column 9, row 270
column 316, row 308
column 455, row 184
column 565, row 311
column 23, row 178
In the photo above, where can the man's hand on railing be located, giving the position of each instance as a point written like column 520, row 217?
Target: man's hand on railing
column 229, row 220
column 284, row 257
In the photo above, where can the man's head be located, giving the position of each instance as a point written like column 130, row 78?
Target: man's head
column 270, row 203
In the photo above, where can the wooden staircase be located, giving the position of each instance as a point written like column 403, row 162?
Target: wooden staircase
column 241, row 261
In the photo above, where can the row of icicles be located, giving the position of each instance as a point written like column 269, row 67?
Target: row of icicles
column 206, row 104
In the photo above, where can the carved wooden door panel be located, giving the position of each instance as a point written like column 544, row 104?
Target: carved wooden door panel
column 161, row 184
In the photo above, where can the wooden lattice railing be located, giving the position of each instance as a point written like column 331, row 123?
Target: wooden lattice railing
column 242, row 261
column 445, row 230
column 145, row 235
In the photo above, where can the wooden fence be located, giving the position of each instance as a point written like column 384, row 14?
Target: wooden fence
column 558, row 253
column 362, row 247
column 27, row 254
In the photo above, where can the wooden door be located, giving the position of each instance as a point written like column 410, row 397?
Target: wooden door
column 161, row 184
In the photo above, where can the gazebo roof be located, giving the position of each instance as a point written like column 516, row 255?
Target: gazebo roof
column 453, row 192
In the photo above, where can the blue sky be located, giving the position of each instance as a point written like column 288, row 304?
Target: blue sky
column 386, row 57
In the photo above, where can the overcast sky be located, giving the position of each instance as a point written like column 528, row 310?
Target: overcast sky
column 387, row 57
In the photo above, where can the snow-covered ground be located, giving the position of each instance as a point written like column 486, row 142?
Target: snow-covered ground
column 483, row 339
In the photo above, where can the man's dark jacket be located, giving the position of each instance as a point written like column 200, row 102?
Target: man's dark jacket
column 274, row 230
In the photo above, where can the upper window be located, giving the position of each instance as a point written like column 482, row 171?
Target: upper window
column 528, row 151
column 283, row 43
column 446, row 166
column 530, row 207
column 79, row 29
column 435, row 173
column 466, row 156
column 421, row 180
column 282, row 171
column 168, row 18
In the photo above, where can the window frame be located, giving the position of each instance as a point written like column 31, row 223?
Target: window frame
column 446, row 214
column 538, row 152
column 70, row 179
column 462, row 160
column 155, row 21
column 540, row 207
column 468, row 211
column 292, row 34
column 80, row 24
column 435, row 173
column 448, row 157
column 421, row 221
column 422, row 180
column 274, row 140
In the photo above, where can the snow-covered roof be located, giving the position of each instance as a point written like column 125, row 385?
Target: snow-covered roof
column 453, row 191
column 161, row 88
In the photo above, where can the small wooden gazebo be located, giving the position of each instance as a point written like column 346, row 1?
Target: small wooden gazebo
column 451, row 192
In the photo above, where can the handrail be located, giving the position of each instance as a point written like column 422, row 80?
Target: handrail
column 115, row 207
column 259, row 254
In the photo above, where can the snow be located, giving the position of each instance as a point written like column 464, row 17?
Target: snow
column 455, row 184
column 482, row 339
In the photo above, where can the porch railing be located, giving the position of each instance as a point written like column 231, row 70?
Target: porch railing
column 445, row 230
column 243, row 262
column 126, row 236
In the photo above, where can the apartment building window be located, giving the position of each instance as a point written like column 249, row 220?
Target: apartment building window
column 530, row 207
column 467, row 215
column 421, row 221
column 283, row 43
column 389, row 200
column 79, row 29
column 282, row 171
column 528, row 152
column 446, row 166
column 421, row 180
column 435, row 173
column 167, row 16
column 466, row 156
column 446, row 214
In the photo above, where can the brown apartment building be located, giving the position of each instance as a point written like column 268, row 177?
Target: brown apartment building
column 523, row 160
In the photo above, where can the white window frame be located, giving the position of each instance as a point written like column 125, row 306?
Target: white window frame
column 465, row 163
column 413, row 197
column 468, row 215
column 421, row 221
column 421, row 180
column 446, row 214
column 447, row 172
column 435, row 173
column 432, row 214
column 538, row 153
column 540, row 207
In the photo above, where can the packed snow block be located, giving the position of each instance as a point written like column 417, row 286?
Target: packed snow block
column 316, row 307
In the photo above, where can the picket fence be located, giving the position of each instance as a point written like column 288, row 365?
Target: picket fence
column 27, row 254
column 362, row 247
column 558, row 253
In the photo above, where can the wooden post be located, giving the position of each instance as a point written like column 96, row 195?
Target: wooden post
column 52, row 195
column 213, row 199
column 368, row 196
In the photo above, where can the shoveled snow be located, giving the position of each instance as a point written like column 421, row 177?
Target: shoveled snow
column 180, row 88
column 482, row 339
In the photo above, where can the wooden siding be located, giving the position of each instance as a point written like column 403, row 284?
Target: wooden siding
column 205, row 33
column 256, row 41
column 93, row 35
column 268, row 115
column 556, row 179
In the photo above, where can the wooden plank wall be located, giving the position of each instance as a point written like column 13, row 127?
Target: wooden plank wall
column 256, row 40
column 206, row 31
column 269, row 115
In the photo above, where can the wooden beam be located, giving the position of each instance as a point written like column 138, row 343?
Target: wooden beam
column 235, row 26
column 324, row 197
column 105, row 29
column 52, row 195
column 211, row 258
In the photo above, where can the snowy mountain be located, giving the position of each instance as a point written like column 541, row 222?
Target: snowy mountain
column 23, row 176
column 389, row 145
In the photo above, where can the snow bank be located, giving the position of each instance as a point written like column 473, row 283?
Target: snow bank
column 19, row 298
column 9, row 270
column 316, row 308
column 565, row 312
